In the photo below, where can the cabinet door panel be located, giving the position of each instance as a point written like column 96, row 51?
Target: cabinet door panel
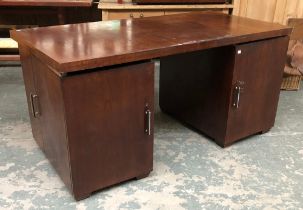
column 46, row 112
column 258, row 73
column 31, row 91
column 107, row 123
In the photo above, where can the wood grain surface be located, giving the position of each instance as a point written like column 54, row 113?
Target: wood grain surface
column 77, row 47
column 199, row 88
column 105, row 129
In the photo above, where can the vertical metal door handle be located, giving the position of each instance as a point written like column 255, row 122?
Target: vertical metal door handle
column 238, row 94
column 148, row 122
column 34, row 99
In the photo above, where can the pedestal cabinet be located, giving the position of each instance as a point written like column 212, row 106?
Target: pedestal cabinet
column 95, row 127
column 228, row 93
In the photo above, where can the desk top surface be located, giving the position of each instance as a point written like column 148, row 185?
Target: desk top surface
column 54, row 3
column 76, row 47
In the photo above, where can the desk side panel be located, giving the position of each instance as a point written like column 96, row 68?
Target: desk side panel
column 29, row 82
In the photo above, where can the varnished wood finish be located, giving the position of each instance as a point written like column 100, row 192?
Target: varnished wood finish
column 9, row 57
column 92, row 98
column 195, row 88
column 49, row 127
column 28, row 78
column 77, row 47
column 206, row 83
column 92, row 126
column 260, row 65
column 54, row 3
column 52, row 119
column 105, row 128
column 46, row 15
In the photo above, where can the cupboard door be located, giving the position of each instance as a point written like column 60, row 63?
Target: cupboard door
column 31, row 94
column 52, row 118
column 256, row 87
column 110, row 125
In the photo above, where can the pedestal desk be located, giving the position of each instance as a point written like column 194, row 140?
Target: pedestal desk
column 90, row 88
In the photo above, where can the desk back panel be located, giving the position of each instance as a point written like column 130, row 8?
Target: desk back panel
column 195, row 88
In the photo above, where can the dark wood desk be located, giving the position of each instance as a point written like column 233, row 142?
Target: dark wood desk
column 90, row 88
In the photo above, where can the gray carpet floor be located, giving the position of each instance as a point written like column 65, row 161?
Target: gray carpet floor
column 190, row 171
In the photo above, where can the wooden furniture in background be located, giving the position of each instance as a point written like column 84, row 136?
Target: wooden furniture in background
column 53, row 3
column 32, row 13
column 292, row 82
column 9, row 48
column 113, row 11
column 277, row 11
column 91, row 99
